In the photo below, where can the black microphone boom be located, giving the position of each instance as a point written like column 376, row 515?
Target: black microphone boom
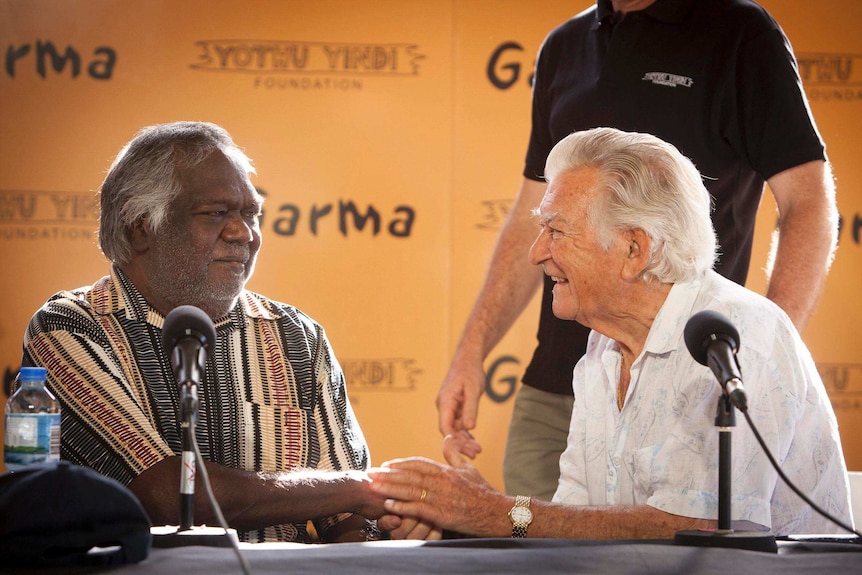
column 713, row 341
column 188, row 336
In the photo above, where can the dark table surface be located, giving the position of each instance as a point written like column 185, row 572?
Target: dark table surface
column 499, row 556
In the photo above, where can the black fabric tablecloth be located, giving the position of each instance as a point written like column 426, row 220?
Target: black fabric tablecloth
column 498, row 556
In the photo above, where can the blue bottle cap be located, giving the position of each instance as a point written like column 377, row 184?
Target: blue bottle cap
column 33, row 374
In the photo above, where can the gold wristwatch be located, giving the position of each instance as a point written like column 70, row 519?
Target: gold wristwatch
column 520, row 516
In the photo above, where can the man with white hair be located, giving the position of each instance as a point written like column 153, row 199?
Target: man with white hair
column 627, row 239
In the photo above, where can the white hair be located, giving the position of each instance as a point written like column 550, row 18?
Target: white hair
column 646, row 183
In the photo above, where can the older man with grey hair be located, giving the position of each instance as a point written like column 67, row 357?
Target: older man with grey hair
column 627, row 239
column 180, row 225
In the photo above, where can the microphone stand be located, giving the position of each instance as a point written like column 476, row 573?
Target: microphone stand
column 725, row 421
column 188, row 533
column 725, row 536
column 188, row 414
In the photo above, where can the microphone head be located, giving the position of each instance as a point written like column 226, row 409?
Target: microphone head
column 188, row 321
column 703, row 328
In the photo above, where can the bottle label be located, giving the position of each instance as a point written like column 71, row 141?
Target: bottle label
column 31, row 438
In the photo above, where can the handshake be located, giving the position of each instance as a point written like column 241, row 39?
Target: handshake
column 421, row 497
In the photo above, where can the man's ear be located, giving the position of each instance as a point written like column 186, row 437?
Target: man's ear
column 639, row 249
column 139, row 236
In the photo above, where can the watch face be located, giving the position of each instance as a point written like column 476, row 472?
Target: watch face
column 522, row 515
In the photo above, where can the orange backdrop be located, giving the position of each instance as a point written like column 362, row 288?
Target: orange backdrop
column 389, row 138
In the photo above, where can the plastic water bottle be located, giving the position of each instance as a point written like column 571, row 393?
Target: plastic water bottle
column 32, row 422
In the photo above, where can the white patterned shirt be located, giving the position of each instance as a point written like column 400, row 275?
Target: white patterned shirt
column 662, row 449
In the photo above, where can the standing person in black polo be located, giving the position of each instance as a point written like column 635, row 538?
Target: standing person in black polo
column 718, row 79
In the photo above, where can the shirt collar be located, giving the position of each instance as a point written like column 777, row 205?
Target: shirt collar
column 666, row 333
column 119, row 294
column 668, row 11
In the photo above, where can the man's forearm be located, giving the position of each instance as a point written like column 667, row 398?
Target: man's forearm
column 560, row 521
column 511, row 280
column 614, row 522
column 798, row 275
column 807, row 235
column 252, row 500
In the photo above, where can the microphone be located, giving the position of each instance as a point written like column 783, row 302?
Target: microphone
column 188, row 336
column 713, row 341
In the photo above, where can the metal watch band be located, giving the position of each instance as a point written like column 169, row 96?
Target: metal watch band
column 519, row 530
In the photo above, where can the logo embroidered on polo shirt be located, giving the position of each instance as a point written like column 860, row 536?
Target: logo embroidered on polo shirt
column 667, row 79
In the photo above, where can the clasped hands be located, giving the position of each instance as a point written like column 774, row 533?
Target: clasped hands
column 423, row 497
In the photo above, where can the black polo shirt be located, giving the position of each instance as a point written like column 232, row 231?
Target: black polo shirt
column 716, row 78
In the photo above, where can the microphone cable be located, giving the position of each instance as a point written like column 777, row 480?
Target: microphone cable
column 234, row 543
column 790, row 484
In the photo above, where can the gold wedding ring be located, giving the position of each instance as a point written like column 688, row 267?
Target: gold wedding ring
column 422, row 497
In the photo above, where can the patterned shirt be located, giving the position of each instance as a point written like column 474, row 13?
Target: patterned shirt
column 662, row 449
column 273, row 396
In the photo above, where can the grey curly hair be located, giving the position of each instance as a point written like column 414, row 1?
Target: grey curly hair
column 143, row 180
